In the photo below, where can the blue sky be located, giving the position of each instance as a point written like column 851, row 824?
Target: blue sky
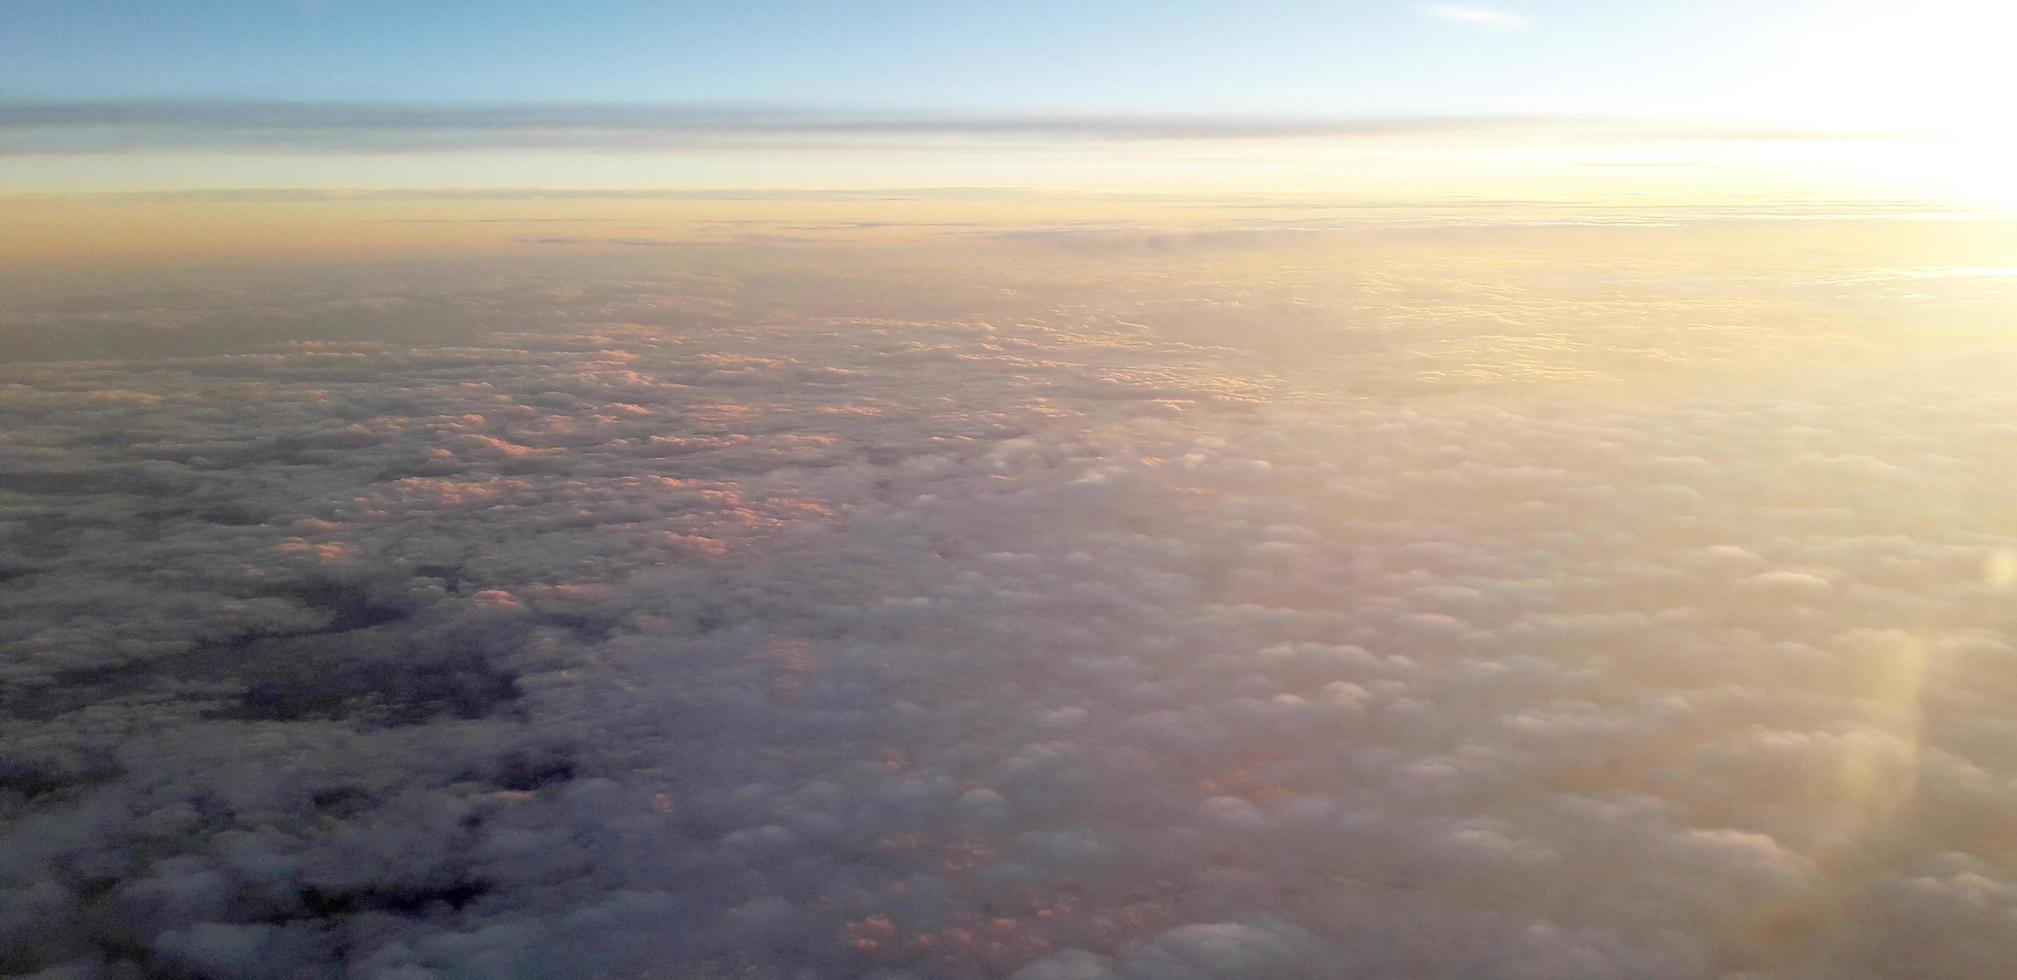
column 112, row 95
column 1256, row 57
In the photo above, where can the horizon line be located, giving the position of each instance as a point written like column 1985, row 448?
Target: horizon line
column 51, row 127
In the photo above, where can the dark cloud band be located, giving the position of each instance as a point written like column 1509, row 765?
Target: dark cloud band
column 128, row 125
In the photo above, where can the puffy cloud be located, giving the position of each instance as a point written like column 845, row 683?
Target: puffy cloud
column 1201, row 952
column 927, row 646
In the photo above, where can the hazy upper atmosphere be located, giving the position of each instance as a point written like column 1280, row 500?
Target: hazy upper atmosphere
column 538, row 531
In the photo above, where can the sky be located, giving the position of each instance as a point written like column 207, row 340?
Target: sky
column 1268, row 57
column 1265, row 58
column 136, row 97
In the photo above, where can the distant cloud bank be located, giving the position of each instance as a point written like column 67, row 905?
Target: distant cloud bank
column 121, row 126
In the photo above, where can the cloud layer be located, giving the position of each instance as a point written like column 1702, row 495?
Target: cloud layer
column 639, row 634
column 33, row 127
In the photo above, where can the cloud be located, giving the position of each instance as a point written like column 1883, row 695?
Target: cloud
column 320, row 194
column 630, row 242
column 822, row 614
column 636, row 242
column 28, row 127
column 1475, row 16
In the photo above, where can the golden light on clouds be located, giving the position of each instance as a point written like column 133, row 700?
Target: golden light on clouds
column 2000, row 568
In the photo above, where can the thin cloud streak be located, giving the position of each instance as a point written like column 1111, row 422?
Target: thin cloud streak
column 348, row 127
column 1475, row 16
column 345, row 194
